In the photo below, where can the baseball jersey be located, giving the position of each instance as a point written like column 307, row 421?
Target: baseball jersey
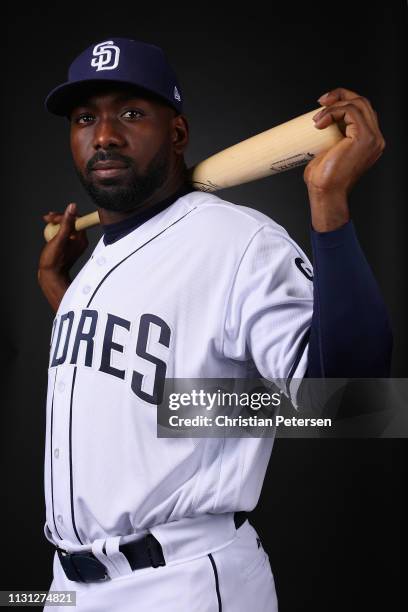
column 203, row 289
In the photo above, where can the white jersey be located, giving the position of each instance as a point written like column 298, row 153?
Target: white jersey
column 204, row 289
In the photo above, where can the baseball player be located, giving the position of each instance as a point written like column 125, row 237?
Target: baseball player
column 182, row 284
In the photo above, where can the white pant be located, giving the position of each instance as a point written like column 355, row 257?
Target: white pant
column 236, row 578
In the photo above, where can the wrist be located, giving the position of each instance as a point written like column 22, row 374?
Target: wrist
column 329, row 210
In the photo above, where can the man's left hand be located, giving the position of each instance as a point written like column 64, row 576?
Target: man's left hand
column 331, row 175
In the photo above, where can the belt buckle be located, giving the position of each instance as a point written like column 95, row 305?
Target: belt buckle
column 82, row 567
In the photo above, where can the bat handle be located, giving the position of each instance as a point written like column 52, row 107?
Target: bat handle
column 81, row 223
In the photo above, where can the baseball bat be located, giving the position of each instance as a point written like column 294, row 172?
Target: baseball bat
column 281, row 148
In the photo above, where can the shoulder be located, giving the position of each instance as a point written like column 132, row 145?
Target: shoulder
column 242, row 231
column 217, row 216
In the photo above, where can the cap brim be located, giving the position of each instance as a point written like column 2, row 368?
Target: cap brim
column 61, row 100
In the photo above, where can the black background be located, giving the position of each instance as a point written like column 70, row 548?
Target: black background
column 332, row 513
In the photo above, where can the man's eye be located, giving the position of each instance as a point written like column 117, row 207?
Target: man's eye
column 84, row 118
column 133, row 114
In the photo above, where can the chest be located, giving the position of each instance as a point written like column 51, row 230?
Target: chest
column 132, row 313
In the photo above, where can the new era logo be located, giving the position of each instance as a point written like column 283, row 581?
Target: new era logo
column 177, row 94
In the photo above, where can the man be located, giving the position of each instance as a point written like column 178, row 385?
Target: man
column 182, row 284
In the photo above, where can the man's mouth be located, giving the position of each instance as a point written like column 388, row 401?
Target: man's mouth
column 109, row 168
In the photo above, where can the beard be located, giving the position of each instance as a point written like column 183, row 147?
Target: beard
column 125, row 195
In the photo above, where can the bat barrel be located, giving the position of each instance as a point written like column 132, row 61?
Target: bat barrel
column 281, row 148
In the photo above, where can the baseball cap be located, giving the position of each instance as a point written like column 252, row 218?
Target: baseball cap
column 117, row 60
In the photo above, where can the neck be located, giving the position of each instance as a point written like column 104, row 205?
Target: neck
column 170, row 186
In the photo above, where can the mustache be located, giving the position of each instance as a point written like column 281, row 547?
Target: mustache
column 107, row 156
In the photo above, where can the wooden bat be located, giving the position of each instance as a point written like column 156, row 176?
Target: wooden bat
column 281, row 148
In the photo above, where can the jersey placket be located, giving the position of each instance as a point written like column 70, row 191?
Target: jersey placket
column 66, row 520
column 60, row 452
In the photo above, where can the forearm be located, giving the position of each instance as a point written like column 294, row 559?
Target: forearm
column 329, row 211
column 350, row 333
column 53, row 286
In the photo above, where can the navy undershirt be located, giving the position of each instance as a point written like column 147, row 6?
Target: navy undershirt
column 350, row 335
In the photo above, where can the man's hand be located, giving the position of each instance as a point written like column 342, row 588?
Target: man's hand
column 330, row 176
column 59, row 255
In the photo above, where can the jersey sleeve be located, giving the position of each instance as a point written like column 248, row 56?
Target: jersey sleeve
column 270, row 306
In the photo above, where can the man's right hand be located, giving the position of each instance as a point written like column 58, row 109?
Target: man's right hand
column 59, row 255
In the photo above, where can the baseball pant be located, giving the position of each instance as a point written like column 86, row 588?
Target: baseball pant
column 236, row 578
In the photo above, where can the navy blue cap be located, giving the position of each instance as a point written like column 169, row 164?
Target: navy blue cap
column 117, row 60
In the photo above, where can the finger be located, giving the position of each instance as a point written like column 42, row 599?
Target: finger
column 365, row 111
column 53, row 217
column 349, row 119
column 80, row 240
column 57, row 216
column 82, row 235
column 79, row 236
column 340, row 94
column 352, row 123
column 67, row 224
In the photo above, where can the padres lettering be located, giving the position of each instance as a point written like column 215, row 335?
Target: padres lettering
column 82, row 327
column 106, row 56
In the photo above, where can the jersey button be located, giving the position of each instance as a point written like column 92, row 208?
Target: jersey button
column 61, row 386
column 56, row 453
column 101, row 261
column 86, row 289
column 60, row 519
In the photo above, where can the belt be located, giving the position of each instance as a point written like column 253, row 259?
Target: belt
column 146, row 552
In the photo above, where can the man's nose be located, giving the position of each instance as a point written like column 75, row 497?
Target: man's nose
column 108, row 133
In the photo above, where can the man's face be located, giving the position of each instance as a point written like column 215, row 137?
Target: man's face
column 122, row 146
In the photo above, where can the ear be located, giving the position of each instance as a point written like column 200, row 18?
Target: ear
column 180, row 133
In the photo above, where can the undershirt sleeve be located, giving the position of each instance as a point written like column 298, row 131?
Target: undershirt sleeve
column 350, row 334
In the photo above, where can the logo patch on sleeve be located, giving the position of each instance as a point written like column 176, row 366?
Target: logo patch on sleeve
column 305, row 269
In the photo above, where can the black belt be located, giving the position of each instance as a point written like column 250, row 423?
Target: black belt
column 147, row 552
